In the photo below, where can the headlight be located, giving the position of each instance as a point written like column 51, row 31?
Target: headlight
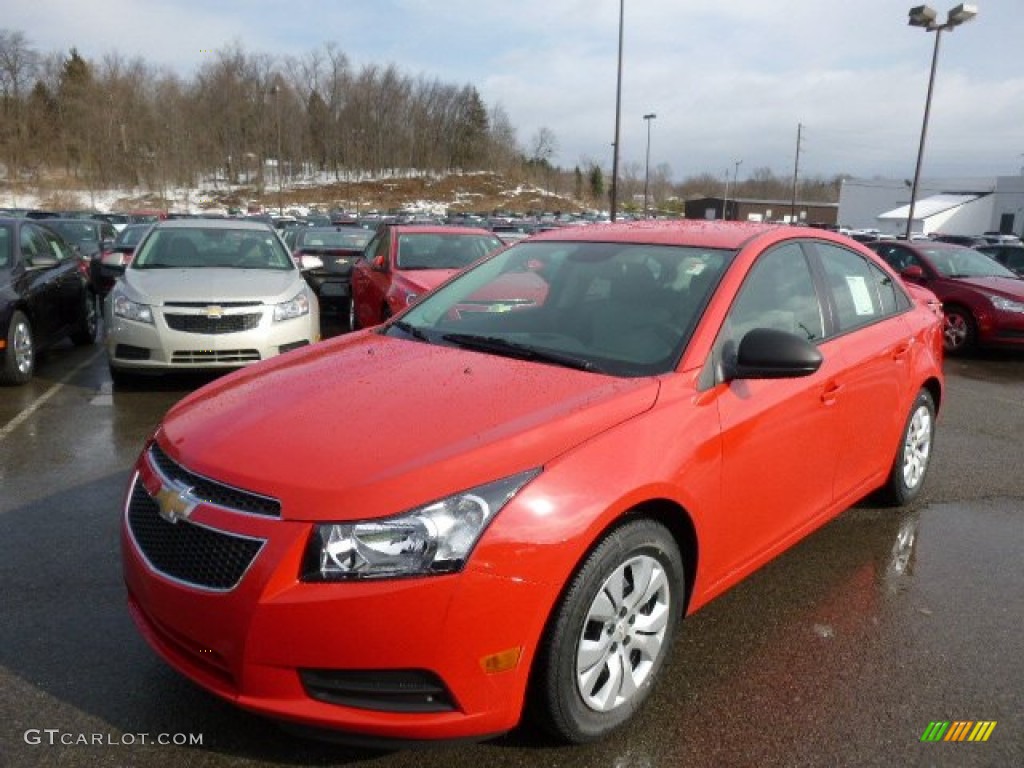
column 297, row 307
column 435, row 538
column 130, row 310
column 1006, row 305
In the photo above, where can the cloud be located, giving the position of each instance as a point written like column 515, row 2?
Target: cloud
column 728, row 80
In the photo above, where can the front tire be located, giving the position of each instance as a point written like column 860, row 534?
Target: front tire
column 610, row 634
column 19, row 360
column 353, row 320
column 913, row 458
column 959, row 331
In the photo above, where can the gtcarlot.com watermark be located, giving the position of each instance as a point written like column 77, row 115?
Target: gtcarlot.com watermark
column 55, row 737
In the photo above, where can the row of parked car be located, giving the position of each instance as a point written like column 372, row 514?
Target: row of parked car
column 208, row 293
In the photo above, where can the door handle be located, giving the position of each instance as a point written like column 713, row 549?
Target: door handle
column 830, row 394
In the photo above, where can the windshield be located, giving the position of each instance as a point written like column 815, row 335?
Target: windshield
column 422, row 250
column 620, row 309
column 5, row 246
column 75, row 231
column 965, row 262
column 353, row 239
column 131, row 235
column 216, row 247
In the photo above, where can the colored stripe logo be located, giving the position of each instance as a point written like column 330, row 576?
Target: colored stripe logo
column 959, row 730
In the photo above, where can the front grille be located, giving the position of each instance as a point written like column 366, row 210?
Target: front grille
column 192, row 554
column 213, row 325
column 214, row 356
column 211, row 491
column 384, row 690
column 204, row 304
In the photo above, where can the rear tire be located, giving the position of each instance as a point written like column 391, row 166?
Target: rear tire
column 610, row 634
column 913, row 458
column 19, row 358
column 85, row 332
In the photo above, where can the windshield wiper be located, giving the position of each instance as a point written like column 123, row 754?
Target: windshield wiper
column 410, row 330
column 500, row 346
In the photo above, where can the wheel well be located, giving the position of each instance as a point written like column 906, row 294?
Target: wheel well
column 675, row 519
column 678, row 523
column 935, row 390
column 962, row 308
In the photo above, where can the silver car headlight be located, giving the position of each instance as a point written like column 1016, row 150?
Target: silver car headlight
column 289, row 310
column 1006, row 305
column 432, row 539
column 131, row 310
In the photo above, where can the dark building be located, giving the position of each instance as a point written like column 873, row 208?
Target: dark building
column 747, row 209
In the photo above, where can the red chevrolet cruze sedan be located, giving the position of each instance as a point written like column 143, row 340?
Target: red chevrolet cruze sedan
column 493, row 503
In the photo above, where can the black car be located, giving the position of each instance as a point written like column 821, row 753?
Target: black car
column 968, row 241
column 1009, row 255
column 330, row 253
column 45, row 296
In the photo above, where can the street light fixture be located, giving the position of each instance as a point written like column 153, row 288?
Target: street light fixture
column 280, row 162
column 924, row 17
column 725, row 200
column 647, row 163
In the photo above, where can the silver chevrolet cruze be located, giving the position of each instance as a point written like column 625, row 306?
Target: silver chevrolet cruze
column 207, row 294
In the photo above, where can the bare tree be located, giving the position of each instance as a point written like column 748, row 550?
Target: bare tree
column 18, row 62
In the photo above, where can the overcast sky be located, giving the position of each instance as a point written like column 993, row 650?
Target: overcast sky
column 729, row 80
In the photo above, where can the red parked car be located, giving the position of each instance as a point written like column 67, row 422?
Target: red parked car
column 983, row 300
column 417, row 530
column 403, row 262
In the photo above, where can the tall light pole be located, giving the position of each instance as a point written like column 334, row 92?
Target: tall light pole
column 923, row 16
column 280, row 163
column 735, row 175
column 647, row 163
column 618, row 118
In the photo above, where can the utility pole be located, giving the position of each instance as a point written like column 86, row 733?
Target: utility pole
column 618, row 118
column 796, row 172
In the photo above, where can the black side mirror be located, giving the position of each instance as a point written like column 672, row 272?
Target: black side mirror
column 765, row 353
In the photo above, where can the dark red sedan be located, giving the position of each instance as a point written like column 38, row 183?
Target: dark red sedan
column 403, row 262
column 983, row 301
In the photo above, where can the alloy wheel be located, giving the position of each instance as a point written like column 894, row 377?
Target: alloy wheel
column 24, row 352
column 917, row 447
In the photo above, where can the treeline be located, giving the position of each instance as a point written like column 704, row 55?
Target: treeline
column 245, row 117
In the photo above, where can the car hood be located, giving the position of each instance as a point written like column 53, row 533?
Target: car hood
column 424, row 280
column 367, row 426
column 1010, row 287
column 159, row 286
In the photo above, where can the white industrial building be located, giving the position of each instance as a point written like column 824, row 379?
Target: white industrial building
column 966, row 206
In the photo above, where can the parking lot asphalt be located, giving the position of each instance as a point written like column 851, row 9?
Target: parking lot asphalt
column 841, row 652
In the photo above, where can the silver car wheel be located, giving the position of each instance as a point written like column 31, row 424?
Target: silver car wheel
column 623, row 634
column 917, row 447
column 24, row 353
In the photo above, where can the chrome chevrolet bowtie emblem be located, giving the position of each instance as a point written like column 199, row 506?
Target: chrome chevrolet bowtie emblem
column 214, row 312
column 176, row 502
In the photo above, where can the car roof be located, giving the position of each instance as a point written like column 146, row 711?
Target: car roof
column 690, row 232
column 437, row 229
column 247, row 224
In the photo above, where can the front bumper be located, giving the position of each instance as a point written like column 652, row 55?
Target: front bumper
column 187, row 338
column 276, row 646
